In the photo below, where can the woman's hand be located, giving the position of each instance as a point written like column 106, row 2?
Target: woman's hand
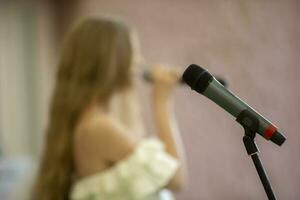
column 165, row 80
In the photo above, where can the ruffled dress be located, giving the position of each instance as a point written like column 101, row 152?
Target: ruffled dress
column 141, row 176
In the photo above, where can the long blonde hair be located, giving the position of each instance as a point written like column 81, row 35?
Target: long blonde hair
column 96, row 61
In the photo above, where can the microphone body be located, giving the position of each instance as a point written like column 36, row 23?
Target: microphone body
column 203, row 82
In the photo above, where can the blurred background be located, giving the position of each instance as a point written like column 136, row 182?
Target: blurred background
column 254, row 44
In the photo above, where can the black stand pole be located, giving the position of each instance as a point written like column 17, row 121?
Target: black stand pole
column 251, row 124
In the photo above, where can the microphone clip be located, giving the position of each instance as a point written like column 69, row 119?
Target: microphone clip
column 250, row 124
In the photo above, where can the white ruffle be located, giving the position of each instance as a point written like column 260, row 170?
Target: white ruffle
column 141, row 175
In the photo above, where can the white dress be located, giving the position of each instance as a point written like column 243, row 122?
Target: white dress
column 141, row 176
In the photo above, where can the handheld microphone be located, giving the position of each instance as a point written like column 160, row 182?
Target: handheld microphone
column 203, row 82
column 148, row 78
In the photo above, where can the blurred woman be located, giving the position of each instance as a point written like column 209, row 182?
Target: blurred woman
column 88, row 153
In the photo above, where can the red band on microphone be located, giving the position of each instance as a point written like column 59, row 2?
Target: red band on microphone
column 270, row 131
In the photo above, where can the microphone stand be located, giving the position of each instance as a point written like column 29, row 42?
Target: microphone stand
column 250, row 124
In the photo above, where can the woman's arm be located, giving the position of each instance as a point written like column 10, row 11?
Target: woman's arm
column 165, row 80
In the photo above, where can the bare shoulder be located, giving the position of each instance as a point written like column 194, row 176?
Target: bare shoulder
column 105, row 136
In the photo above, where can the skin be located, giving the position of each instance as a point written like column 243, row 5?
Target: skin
column 100, row 141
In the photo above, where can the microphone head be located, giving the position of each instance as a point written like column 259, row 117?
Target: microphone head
column 197, row 78
column 191, row 73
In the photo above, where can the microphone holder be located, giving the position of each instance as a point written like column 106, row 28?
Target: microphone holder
column 250, row 124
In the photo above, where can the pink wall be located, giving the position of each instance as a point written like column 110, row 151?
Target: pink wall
column 255, row 44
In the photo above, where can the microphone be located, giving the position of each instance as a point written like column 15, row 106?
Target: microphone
column 203, row 82
column 148, row 78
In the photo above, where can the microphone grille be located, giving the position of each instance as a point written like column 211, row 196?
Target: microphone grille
column 191, row 74
column 197, row 77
